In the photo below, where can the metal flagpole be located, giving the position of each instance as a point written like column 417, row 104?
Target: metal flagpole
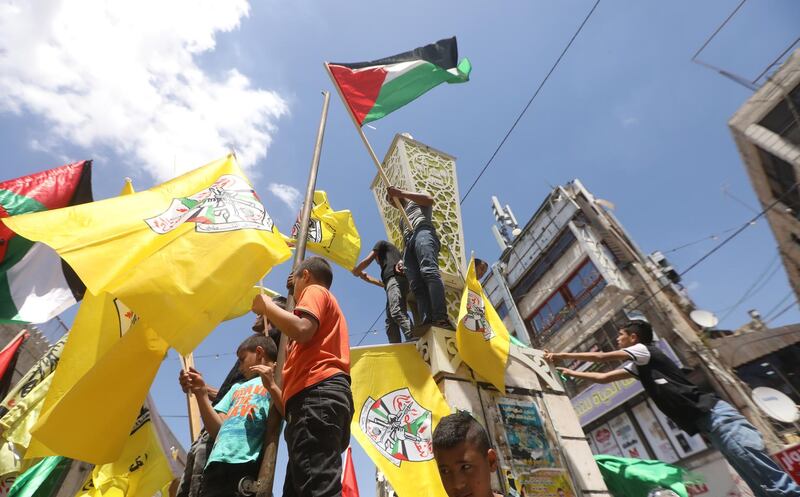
column 266, row 474
column 372, row 155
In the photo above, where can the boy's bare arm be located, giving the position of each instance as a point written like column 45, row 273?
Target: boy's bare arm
column 267, row 374
column 299, row 328
column 361, row 266
column 615, row 355
column 419, row 198
column 212, row 420
column 608, row 377
column 370, row 279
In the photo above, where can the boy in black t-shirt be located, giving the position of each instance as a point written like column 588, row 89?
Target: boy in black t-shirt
column 693, row 410
column 396, row 285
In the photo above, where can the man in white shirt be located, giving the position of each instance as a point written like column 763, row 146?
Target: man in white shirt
column 689, row 407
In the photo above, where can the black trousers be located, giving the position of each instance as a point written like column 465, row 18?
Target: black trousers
column 317, row 432
column 222, row 480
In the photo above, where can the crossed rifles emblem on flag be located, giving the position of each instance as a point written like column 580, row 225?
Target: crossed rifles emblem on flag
column 227, row 205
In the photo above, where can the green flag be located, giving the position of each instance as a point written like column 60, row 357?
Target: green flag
column 637, row 477
column 42, row 480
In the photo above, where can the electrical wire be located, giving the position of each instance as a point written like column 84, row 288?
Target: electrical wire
column 719, row 28
column 371, row 327
column 525, row 109
column 722, row 243
column 750, row 292
column 777, row 60
column 782, row 312
column 713, row 236
column 780, row 303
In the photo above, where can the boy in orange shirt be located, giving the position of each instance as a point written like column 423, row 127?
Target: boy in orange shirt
column 317, row 401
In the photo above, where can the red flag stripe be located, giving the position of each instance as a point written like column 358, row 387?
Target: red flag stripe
column 360, row 87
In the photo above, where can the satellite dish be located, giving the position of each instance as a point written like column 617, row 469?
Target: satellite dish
column 776, row 404
column 704, row 319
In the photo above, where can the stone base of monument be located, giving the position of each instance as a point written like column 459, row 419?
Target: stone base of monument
column 533, row 426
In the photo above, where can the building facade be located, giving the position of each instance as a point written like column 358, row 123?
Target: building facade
column 566, row 280
column 537, row 435
column 767, row 132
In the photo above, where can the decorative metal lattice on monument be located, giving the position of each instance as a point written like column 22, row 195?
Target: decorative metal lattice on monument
column 412, row 165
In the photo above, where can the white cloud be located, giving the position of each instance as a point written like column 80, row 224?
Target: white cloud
column 289, row 195
column 123, row 74
column 630, row 121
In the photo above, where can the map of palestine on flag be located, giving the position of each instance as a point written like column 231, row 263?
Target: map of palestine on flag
column 180, row 255
column 373, row 90
column 397, row 406
column 331, row 234
column 35, row 284
column 481, row 337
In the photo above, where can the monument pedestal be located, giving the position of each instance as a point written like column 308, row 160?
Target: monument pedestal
column 533, row 427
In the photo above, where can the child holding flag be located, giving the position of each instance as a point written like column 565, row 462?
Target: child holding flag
column 317, row 400
column 238, row 420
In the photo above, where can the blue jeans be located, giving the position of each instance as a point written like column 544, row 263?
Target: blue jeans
column 743, row 447
column 397, row 321
column 421, row 259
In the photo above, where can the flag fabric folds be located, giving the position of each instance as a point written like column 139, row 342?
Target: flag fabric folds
column 20, row 410
column 245, row 305
column 179, row 255
column 397, row 406
column 372, row 90
column 35, row 284
column 349, row 481
column 106, row 338
column 637, row 477
column 331, row 234
column 142, row 469
column 8, row 361
column 43, row 479
column 101, row 382
column 481, row 337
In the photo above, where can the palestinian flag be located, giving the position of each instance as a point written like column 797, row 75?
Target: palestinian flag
column 375, row 89
column 8, row 362
column 35, row 284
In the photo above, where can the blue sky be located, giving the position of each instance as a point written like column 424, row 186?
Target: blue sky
column 150, row 89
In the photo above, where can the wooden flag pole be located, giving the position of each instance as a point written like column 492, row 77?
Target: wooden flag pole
column 266, row 473
column 374, row 157
column 191, row 400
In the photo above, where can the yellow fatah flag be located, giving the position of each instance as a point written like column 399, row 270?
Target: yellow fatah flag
column 108, row 363
column 245, row 304
column 397, row 406
column 142, row 469
column 180, row 255
column 100, row 384
column 331, row 234
column 481, row 337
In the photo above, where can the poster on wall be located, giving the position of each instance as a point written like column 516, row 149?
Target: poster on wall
column 627, row 438
column 529, row 461
column 548, row 483
column 654, row 433
column 605, row 442
column 684, row 444
column 525, row 433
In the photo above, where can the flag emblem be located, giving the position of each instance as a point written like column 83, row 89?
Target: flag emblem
column 127, row 317
column 475, row 318
column 398, row 426
column 229, row 204
column 315, row 231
